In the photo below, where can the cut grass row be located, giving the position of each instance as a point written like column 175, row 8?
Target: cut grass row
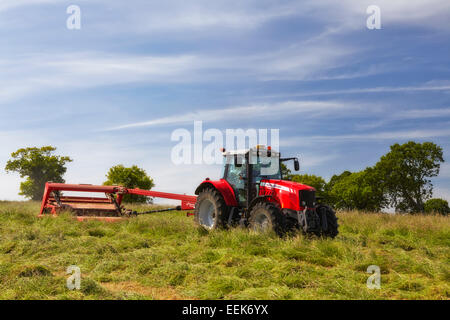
column 164, row 256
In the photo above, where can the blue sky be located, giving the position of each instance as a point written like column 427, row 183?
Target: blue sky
column 340, row 93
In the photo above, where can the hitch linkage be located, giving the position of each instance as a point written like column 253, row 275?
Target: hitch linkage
column 177, row 208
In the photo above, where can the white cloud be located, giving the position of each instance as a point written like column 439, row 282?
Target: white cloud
column 315, row 58
column 384, row 135
column 336, row 17
column 409, row 114
column 421, row 88
column 352, row 13
column 178, row 14
column 25, row 75
column 207, row 14
column 308, row 160
column 273, row 110
column 11, row 4
column 388, row 135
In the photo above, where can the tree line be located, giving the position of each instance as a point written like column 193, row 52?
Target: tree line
column 401, row 179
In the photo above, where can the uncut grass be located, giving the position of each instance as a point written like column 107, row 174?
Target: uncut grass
column 164, row 256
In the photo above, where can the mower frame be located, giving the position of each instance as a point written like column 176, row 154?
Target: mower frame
column 110, row 207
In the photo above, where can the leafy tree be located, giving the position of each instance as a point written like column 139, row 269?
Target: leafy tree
column 312, row 180
column 404, row 173
column 335, row 178
column 358, row 191
column 329, row 186
column 39, row 166
column 437, row 206
column 133, row 177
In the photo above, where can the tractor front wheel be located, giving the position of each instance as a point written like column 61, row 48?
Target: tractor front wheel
column 328, row 220
column 266, row 216
column 211, row 211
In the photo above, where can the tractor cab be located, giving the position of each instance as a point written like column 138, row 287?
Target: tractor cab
column 245, row 169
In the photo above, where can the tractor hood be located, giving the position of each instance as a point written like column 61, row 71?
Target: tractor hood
column 286, row 185
column 289, row 194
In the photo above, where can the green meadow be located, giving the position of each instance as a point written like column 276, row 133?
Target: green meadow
column 165, row 256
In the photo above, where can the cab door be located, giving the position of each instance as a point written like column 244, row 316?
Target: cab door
column 236, row 176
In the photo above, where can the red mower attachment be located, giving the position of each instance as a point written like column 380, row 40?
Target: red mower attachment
column 108, row 208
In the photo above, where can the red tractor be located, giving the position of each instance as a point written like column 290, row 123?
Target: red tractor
column 252, row 193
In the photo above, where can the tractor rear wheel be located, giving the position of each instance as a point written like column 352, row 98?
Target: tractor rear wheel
column 266, row 216
column 328, row 221
column 211, row 211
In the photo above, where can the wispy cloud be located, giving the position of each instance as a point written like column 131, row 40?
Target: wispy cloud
column 259, row 111
column 145, row 16
column 314, row 58
column 38, row 73
column 432, row 13
column 206, row 14
column 408, row 114
column 421, row 88
column 10, row 4
column 383, row 135
column 336, row 17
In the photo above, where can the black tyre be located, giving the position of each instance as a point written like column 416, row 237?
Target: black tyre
column 266, row 216
column 328, row 221
column 211, row 211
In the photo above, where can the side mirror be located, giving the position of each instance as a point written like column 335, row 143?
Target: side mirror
column 296, row 165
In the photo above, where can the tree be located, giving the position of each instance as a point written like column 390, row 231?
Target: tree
column 357, row 191
column 405, row 174
column 329, row 186
column 311, row 180
column 39, row 166
column 133, row 177
column 437, row 206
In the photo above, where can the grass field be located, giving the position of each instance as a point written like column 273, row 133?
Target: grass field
column 163, row 256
